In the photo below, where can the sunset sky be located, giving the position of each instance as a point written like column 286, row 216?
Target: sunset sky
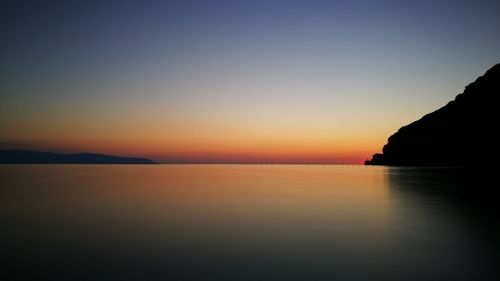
column 233, row 81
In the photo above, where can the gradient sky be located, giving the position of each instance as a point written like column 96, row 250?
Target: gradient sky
column 234, row 81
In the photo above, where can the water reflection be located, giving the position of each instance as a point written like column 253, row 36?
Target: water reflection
column 241, row 222
column 448, row 218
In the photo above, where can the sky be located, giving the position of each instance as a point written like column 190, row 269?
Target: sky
column 233, row 81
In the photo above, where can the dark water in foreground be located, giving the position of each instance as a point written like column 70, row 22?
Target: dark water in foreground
column 245, row 222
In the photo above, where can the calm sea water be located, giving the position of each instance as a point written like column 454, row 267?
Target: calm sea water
column 245, row 222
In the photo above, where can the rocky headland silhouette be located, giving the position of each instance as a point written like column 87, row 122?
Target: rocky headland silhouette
column 17, row 156
column 463, row 133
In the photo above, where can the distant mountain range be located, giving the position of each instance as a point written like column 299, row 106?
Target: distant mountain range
column 465, row 132
column 16, row 156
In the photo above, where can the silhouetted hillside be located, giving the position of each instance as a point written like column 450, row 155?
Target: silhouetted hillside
column 15, row 156
column 462, row 133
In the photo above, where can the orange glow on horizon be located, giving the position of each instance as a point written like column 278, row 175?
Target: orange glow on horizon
column 225, row 140
column 205, row 151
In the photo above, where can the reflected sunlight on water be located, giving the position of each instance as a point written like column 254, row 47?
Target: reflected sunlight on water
column 237, row 222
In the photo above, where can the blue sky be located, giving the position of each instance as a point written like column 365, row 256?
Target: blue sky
column 335, row 76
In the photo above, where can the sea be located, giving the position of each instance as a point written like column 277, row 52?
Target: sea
column 246, row 222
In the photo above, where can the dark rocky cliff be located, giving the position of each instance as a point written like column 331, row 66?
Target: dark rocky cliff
column 465, row 132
